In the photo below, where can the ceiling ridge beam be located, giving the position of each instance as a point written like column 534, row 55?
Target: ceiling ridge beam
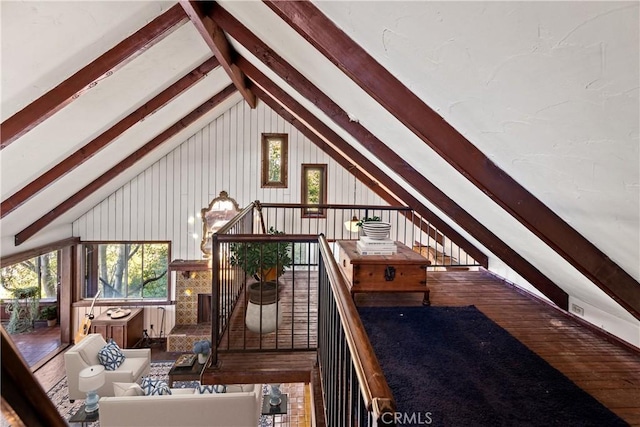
column 91, row 148
column 215, row 38
column 421, row 184
column 70, row 89
column 459, row 152
column 129, row 161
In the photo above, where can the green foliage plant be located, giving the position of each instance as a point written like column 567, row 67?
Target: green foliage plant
column 24, row 309
column 367, row 219
column 49, row 312
column 255, row 258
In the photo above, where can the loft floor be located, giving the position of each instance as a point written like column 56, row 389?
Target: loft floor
column 607, row 370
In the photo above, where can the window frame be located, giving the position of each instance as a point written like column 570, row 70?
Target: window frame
column 316, row 212
column 284, row 165
column 84, row 277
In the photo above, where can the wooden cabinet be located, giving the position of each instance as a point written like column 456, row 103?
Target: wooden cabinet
column 125, row 331
column 405, row 271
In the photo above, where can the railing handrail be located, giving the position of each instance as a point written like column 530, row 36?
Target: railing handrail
column 337, row 206
column 294, row 238
column 236, row 219
column 375, row 391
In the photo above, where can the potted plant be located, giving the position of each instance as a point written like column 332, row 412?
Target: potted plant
column 264, row 261
column 202, row 348
column 50, row 314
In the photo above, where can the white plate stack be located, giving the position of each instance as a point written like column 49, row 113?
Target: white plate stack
column 376, row 241
column 376, row 230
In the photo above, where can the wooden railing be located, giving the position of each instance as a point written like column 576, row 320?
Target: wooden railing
column 230, row 291
column 406, row 227
column 355, row 390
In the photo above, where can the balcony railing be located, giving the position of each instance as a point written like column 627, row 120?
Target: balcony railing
column 355, row 390
column 315, row 310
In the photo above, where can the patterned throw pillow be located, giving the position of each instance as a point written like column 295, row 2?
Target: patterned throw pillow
column 110, row 356
column 153, row 387
column 210, row 389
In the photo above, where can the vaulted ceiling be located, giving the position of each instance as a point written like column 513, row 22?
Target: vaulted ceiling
column 511, row 126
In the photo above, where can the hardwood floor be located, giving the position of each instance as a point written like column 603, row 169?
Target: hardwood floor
column 607, row 370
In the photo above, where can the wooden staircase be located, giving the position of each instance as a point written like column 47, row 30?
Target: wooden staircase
column 439, row 259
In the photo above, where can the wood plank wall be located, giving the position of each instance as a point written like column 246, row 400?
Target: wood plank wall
column 163, row 203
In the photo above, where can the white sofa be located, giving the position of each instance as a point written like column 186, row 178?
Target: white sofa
column 84, row 354
column 240, row 406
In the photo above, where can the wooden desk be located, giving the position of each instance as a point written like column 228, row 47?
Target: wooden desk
column 405, row 271
column 126, row 331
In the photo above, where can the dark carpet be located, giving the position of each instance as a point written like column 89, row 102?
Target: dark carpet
column 453, row 366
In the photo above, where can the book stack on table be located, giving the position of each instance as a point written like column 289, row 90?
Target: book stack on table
column 369, row 246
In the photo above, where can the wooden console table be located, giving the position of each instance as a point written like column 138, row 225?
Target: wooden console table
column 125, row 331
column 405, row 271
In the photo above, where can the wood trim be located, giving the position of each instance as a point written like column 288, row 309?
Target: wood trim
column 215, row 38
column 264, row 161
column 104, row 139
column 40, row 250
column 417, row 180
column 67, row 284
column 125, row 51
column 324, row 171
column 459, row 152
column 180, row 125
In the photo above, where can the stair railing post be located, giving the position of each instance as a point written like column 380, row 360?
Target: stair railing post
column 215, row 298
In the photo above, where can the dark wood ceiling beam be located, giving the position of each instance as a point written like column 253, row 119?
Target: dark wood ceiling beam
column 85, row 192
column 104, row 139
column 296, row 80
column 8, row 260
column 124, row 52
column 452, row 146
column 317, row 132
column 219, row 45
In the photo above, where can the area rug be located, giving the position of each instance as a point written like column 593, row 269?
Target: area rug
column 453, row 366
column 59, row 394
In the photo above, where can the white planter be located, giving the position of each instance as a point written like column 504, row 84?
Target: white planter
column 267, row 313
column 202, row 358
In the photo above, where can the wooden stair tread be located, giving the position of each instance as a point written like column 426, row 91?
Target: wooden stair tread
column 261, row 367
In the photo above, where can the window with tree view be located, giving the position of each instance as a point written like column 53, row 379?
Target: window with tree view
column 38, row 274
column 314, row 189
column 127, row 270
column 274, row 159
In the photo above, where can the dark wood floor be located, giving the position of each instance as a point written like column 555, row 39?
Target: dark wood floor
column 608, row 371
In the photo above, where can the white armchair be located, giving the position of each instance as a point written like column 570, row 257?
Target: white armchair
column 85, row 353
